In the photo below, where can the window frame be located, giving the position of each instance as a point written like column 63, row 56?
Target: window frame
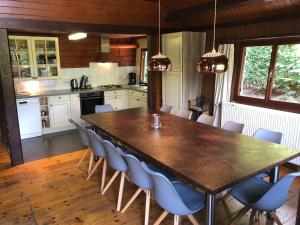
column 142, row 66
column 267, row 102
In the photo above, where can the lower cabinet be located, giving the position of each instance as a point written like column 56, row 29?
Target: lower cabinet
column 117, row 98
column 137, row 99
column 75, row 108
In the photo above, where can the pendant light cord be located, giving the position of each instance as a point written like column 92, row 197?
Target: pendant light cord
column 215, row 20
column 159, row 26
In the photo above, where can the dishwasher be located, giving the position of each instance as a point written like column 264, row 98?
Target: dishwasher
column 29, row 117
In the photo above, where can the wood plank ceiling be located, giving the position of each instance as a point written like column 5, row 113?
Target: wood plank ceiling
column 176, row 14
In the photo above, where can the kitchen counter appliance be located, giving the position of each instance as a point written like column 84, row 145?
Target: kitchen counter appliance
column 74, row 84
column 84, row 82
column 89, row 100
column 29, row 116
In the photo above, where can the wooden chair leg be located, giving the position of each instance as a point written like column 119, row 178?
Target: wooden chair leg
column 252, row 216
column 147, row 207
column 121, row 191
column 103, row 174
column 275, row 218
column 94, row 168
column 193, row 220
column 136, row 194
column 225, row 197
column 161, row 218
column 176, row 219
column 110, row 182
column 82, row 157
column 91, row 162
column 236, row 219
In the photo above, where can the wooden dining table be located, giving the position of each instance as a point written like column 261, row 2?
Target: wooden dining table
column 209, row 158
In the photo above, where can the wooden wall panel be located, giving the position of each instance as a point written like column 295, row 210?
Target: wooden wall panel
column 76, row 54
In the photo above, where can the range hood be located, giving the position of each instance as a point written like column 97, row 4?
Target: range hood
column 104, row 50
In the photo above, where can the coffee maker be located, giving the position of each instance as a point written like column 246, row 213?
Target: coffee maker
column 84, row 82
column 132, row 78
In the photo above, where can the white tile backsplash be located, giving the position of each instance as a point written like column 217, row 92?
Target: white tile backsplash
column 99, row 74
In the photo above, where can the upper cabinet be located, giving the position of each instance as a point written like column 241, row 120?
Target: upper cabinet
column 21, row 57
column 34, row 57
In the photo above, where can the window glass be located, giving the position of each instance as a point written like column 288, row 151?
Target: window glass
column 144, row 69
column 286, row 85
column 255, row 71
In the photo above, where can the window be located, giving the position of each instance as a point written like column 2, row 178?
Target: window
column 269, row 74
column 143, row 66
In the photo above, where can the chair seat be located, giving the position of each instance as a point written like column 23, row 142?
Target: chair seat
column 250, row 191
column 262, row 175
column 193, row 199
column 162, row 171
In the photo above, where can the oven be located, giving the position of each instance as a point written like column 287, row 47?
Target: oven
column 89, row 100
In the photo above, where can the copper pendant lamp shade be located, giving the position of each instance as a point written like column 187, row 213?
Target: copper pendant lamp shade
column 159, row 62
column 213, row 62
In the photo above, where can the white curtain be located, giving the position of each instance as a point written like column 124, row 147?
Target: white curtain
column 223, row 83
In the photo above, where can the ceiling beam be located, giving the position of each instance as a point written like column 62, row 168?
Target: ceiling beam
column 278, row 17
column 209, row 6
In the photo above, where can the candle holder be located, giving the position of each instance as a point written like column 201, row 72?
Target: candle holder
column 156, row 121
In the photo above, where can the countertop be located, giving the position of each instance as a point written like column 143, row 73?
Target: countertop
column 70, row 91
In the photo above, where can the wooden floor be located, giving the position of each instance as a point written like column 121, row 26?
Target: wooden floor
column 54, row 191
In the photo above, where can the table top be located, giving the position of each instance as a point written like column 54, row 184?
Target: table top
column 209, row 157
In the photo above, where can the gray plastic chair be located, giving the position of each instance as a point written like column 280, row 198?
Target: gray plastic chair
column 82, row 131
column 98, row 150
column 233, row 126
column 184, row 114
column 268, row 135
column 205, row 119
column 103, row 108
column 175, row 197
column 116, row 162
column 261, row 196
column 166, row 108
column 142, row 179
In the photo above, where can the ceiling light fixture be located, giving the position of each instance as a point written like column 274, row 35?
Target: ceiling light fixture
column 159, row 62
column 77, row 36
column 213, row 62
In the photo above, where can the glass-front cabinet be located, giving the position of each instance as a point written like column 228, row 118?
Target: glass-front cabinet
column 34, row 57
column 21, row 60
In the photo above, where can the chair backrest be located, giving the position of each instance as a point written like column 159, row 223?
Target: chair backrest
column 82, row 133
column 205, row 119
column 165, row 193
column 137, row 174
column 96, row 143
column 114, row 158
column 268, row 135
column 277, row 195
column 184, row 113
column 104, row 108
column 233, row 126
column 166, row 108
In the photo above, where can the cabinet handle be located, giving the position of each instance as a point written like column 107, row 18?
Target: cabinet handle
column 137, row 99
column 50, row 105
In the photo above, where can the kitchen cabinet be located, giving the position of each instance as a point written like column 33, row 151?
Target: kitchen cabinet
column 34, row 57
column 75, row 108
column 21, row 56
column 59, row 111
column 137, row 99
column 117, row 98
column 183, row 82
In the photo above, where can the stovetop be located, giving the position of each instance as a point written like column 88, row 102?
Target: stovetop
column 108, row 86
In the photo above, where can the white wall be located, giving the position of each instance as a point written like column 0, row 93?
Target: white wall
column 99, row 74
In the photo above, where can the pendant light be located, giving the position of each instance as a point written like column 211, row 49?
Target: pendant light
column 159, row 62
column 213, row 62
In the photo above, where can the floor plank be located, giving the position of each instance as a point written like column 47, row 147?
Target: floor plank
column 54, row 191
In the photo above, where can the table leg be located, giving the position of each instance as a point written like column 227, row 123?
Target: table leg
column 298, row 212
column 210, row 208
column 274, row 176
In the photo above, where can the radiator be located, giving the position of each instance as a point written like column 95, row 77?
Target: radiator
column 258, row 117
